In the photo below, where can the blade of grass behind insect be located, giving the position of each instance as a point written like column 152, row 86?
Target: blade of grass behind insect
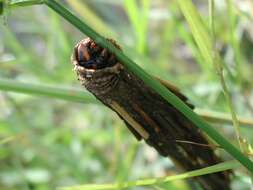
column 139, row 19
column 24, row 58
column 154, row 181
column 48, row 91
column 58, row 48
column 219, row 70
column 234, row 39
column 144, row 26
column 7, row 139
column 199, row 32
column 1, row 7
column 201, row 36
column 225, row 118
column 91, row 18
column 187, row 38
column 23, row 3
column 58, row 30
column 126, row 164
column 184, row 33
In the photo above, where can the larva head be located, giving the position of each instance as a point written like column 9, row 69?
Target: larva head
column 96, row 67
column 91, row 56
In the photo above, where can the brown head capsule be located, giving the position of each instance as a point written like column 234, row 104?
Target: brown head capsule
column 97, row 68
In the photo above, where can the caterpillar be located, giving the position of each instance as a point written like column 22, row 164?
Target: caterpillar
column 146, row 114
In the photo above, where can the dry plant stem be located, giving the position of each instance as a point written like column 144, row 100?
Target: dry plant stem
column 223, row 118
column 219, row 69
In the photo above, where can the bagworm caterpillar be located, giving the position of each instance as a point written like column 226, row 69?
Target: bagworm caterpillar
column 146, row 114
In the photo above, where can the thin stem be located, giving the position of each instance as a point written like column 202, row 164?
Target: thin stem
column 23, row 3
column 1, row 7
column 234, row 39
column 144, row 182
column 219, row 70
column 49, row 91
column 219, row 117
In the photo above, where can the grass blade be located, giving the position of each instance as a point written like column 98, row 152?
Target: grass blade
column 23, row 3
column 153, row 181
column 90, row 17
column 48, row 91
column 199, row 32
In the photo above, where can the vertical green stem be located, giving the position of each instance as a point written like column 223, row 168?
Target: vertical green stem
column 234, row 39
column 1, row 7
column 219, row 69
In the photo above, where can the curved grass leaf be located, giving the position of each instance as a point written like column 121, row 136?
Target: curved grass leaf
column 154, row 181
column 199, row 32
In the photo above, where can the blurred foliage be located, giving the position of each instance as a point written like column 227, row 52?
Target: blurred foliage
column 46, row 143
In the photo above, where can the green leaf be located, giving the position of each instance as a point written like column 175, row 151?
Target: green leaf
column 1, row 7
column 199, row 32
column 154, row 181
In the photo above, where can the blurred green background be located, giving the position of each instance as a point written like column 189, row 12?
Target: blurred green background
column 47, row 143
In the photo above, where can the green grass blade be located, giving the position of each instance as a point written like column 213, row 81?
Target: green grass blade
column 48, row 91
column 23, row 3
column 23, row 57
column 90, row 17
column 189, row 41
column 138, row 17
column 1, row 7
column 234, row 41
column 153, row 181
column 219, row 69
column 199, row 32
column 7, row 140
column 225, row 118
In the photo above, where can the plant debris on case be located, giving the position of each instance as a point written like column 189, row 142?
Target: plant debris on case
column 146, row 114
